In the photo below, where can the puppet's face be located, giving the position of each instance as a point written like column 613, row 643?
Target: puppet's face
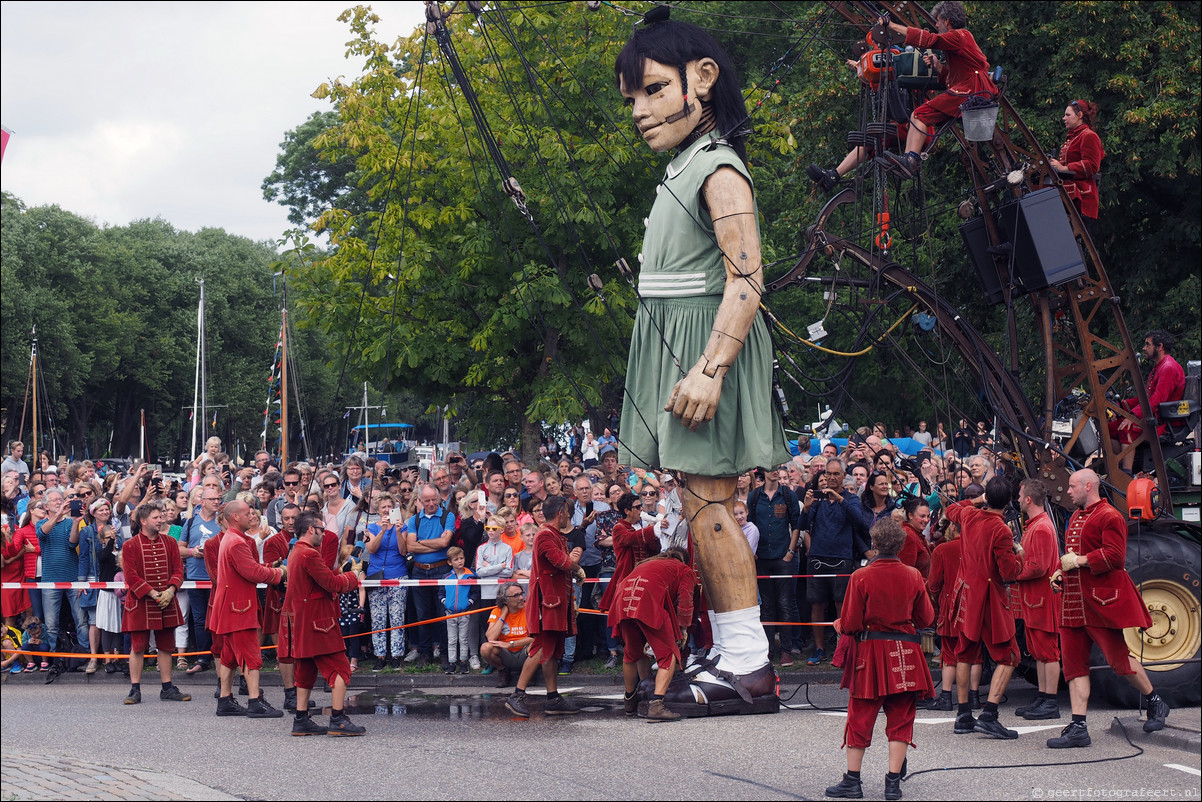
column 658, row 106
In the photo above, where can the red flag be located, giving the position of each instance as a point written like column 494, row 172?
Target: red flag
column 4, row 135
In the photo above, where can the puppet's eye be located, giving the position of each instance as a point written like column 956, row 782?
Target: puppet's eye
column 654, row 89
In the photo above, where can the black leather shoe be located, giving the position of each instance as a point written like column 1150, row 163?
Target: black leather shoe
column 893, row 787
column 941, row 702
column 1046, row 709
column 1021, row 712
column 694, row 694
column 974, row 699
column 850, row 788
column 174, row 694
column 993, row 728
column 825, row 179
column 242, row 689
column 307, row 726
column 1076, row 734
column 135, row 696
column 228, row 706
column 1158, row 711
column 260, row 708
column 965, row 724
column 342, row 725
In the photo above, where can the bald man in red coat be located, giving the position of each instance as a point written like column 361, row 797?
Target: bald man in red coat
column 1099, row 601
column 310, row 639
column 236, row 611
column 550, row 609
column 989, row 559
column 653, row 607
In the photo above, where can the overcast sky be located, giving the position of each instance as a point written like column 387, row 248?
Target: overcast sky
column 124, row 111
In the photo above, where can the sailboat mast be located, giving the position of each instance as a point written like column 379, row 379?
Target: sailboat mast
column 284, row 387
column 33, row 362
column 196, row 383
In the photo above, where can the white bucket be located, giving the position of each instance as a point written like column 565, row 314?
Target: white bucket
column 979, row 122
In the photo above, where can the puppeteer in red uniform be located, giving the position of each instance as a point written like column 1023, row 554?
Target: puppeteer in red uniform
column 151, row 564
column 309, row 632
column 1040, row 609
column 275, row 549
column 885, row 605
column 551, row 608
column 987, row 563
column 631, row 546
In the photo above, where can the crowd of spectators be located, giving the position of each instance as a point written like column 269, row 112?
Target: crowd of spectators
column 68, row 521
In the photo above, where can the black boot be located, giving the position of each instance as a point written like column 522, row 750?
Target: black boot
column 290, row 699
column 893, row 787
column 242, row 689
column 1158, row 711
column 304, row 725
column 341, row 725
column 826, row 179
column 974, row 699
column 850, row 788
column 941, row 702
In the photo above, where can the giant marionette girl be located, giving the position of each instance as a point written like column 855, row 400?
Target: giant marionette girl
column 699, row 379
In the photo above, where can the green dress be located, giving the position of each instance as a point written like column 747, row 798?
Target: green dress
column 681, row 281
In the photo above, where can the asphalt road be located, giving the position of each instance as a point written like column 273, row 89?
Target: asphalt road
column 456, row 744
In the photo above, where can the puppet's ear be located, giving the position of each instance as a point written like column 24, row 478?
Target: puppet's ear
column 707, row 76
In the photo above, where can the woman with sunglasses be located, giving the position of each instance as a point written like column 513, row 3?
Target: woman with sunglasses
column 1081, row 157
column 513, row 501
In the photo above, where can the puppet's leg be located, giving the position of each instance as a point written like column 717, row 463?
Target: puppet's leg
column 740, row 679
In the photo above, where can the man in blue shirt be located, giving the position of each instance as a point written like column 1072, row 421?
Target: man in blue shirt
column 834, row 520
column 775, row 511
column 430, row 532
column 195, row 602
column 59, row 536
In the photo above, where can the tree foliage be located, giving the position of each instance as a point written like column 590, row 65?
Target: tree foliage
column 115, row 314
column 435, row 281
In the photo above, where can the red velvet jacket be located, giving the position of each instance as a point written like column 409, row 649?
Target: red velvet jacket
column 212, row 555
column 1041, row 557
column 1083, row 153
column 887, row 596
column 914, row 552
column 551, row 603
column 967, row 69
column 941, row 584
column 235, row 600
column 276, row 548
column 987, row 563
column 1102, row 593
column 150, row 565
column 1166, row 382
column 309, row 621
column 658, row 593
column 631, row 546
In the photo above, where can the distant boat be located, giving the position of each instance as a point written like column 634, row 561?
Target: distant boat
column 369, row 438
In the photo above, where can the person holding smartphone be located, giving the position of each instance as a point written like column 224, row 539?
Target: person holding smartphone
column 386, row 550
column 59, row 537
column 836, row 528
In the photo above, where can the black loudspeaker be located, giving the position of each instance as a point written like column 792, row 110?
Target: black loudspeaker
column 976, row 242
column 1045, row 251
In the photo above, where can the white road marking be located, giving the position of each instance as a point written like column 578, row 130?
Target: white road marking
column 1186, row 769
